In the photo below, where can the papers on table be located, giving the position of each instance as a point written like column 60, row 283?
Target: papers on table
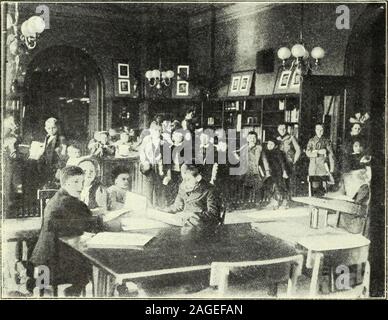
column 36, row 150
column 137, row 203
column 135, row 223
column 110, row 215
column 173, row 219
column 119, row 240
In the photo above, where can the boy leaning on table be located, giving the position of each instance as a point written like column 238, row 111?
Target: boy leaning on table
column 66, row 216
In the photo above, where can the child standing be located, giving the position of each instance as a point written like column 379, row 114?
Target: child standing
column 74, row 155
column 275, row 186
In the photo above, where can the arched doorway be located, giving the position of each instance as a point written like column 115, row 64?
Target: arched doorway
column 365, row 62
column 65, row 83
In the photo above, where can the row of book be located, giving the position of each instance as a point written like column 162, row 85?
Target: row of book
column 291, row 115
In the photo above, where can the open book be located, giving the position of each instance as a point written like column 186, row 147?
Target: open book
column 119, row 240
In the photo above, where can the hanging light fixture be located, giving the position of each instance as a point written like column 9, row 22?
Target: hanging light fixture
column 30, row 30
column 157, row 77
column 301, row 54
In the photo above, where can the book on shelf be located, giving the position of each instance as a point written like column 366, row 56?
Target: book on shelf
column 246, row 129
column 291, row 115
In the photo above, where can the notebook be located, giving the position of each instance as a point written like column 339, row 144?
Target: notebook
column 119, row 240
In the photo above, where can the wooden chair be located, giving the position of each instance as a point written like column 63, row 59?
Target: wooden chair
column 43, row 195
column 219, row 276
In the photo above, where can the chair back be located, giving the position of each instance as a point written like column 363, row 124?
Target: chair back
column 220, row 271
column 43, row 196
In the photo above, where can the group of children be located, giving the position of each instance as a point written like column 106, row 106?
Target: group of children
column 268, row 167
column 107, row 143
column 104, row 143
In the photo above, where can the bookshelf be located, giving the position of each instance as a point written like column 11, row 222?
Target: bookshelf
column 261, row 114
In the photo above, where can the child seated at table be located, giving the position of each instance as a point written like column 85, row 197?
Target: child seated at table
column 117, row 192
column 74, row 154
column 66, row 216
column 275, row 185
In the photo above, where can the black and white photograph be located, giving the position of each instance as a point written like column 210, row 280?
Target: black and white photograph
column 124, row 86
column 183, row 72
column 193, row 151
column 284, row 79
column 295, row 80
column 123, row 70
column 182, row 87
column 235, row 84
column 244, row 83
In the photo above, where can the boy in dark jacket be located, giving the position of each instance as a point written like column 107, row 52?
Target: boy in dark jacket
column 276, row 187
column 65, row 216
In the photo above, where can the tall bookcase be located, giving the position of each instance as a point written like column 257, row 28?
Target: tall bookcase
column 261, row 114
column 324, row 99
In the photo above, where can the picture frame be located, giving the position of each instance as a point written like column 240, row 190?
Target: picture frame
column 296, row 78
column 183, row 72
column 244, row 84
column 284, row 79
column 241, row 83
column 124, row 86
column 182, row 88
column 123, row 70
column 235, row 84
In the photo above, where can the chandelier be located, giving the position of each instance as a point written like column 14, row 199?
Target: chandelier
column 301, row 56
column 157, row 77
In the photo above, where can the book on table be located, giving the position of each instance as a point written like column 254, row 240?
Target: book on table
column 119, row 240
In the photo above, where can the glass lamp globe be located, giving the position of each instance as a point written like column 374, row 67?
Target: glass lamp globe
column 148, row 74
column 284, row 53
column 36, row 24
column 155, row 73
column 298, row 50
column 317, row 53
column 26, row 29
column 170, row 74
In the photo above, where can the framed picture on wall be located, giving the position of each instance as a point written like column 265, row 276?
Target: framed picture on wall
column 284, row 79
column 182, row 88
column 124, row 86
column 183, row 72
column 123, row 70
column 241, row 83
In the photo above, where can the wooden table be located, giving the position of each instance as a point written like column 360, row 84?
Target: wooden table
column 336, row 205
column 319, row 243
column 170, row 252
